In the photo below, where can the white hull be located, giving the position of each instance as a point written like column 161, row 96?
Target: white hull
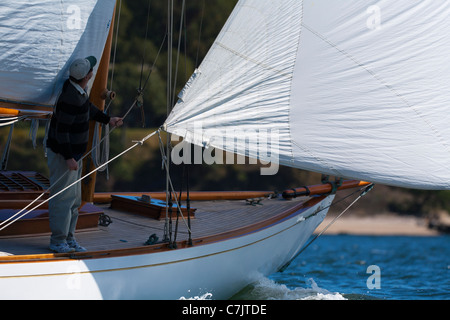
column 221, row 268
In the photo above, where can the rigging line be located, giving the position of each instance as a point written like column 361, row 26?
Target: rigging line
column 180, row 36
column 5, row 124
column 185, row 44
column 62, row 176
column 11, row 121
column 141, row 89
column 366, row 190
column 188, row 204
column 200, row 34
column 178, row 203
column 170, row 7
column 154, row 63
column 9, row 118
column 163, row 156
column 137, row 143
column 115, row 49
column 170, row 10
column 145, row 45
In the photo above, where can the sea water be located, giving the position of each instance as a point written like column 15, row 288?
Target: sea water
column 348, row 267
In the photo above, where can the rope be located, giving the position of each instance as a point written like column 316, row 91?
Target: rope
column 366, row 191
column 42, row 194
column 10, row 121
column 101, row 155
column 137, row 143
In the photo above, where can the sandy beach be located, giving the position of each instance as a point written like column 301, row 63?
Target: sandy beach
column 384, row 224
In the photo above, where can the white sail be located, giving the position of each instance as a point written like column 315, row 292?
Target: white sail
column 39, row 40
column 356, row 89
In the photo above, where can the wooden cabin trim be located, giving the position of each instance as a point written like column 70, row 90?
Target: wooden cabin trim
column 194, row 196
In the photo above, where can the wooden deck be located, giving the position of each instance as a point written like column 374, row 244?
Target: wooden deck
column 129, row 230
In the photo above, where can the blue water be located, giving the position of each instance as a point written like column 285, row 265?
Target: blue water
column 339, row 267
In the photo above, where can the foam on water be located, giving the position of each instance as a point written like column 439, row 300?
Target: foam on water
column 267, row 289
column 206, row 296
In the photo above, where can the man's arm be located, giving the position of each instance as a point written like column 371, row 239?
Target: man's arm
column 99, row 116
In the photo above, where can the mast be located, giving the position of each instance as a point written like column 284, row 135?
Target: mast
column 99, row 86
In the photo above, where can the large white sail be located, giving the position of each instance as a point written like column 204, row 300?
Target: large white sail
column 39, row 40
column 357, row 89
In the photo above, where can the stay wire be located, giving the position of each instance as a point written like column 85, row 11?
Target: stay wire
column 180, row 36
column 153, row 66
column 115, row 46
column 200, row 34
column 145, row 46
column 169, row 103
column 172, row 189
column 366, row 190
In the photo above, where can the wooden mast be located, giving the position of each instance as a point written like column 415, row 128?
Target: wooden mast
column 98, row 88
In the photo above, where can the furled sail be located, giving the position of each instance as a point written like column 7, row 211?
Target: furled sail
column 39, row 40
column 356, row 89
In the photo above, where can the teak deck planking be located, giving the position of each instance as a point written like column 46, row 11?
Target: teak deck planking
column 129, row 230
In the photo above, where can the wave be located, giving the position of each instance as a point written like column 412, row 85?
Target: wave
column 268, row 289
column 206, row 296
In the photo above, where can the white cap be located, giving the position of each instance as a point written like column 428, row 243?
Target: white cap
column 81, row 67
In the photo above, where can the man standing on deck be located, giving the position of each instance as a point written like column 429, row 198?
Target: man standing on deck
column 67, row 142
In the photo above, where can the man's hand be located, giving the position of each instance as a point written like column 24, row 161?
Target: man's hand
column 72, row 164
column 116, row 122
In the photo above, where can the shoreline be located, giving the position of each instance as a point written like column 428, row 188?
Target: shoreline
column 378, row 225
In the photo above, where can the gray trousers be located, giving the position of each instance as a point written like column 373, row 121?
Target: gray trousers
column 63, row 209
